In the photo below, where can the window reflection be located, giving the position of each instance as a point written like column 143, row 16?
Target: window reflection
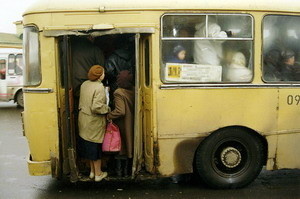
column 281, row 56
column 207, row 48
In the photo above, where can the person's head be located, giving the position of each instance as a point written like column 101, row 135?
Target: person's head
column 179, row 52
column 125, row 80
column 288, row 57
column 273, row 57
column 96, row 72
column 238, row 59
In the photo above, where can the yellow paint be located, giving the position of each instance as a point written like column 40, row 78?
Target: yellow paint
column 38, row 168
column 175, row 120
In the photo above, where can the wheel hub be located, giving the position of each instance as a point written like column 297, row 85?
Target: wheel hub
column 231, row 157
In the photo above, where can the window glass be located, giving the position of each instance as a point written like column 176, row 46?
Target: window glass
column 11, row 64
column 233, row 26
column 181, row 25
column 32, row 67
column 215, row 48
column 281, row 48
column 2, row 68
column 19, row 64
column 147, row 62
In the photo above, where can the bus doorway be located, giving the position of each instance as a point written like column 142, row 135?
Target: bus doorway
column 108, row 44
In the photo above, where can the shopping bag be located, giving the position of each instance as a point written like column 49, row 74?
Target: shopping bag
column 112, row 138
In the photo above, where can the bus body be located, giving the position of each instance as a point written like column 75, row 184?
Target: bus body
column 11, row 71
column 188, row 116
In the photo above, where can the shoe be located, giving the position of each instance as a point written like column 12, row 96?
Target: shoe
column 102, row 176
column 92, row 175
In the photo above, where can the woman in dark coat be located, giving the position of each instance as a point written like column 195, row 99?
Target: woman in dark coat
column 123, row 116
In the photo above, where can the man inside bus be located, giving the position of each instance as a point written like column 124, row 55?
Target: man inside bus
column 122, row 59
column 84, row 55
column 289, row 70
column 271, row 62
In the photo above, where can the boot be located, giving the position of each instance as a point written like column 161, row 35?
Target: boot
column 119, row 168
column 127, row 167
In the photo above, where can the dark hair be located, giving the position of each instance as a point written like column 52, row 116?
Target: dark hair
column 178, row 49
column 287, row 54
column 125, row 79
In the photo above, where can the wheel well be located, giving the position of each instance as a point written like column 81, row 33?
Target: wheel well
column 250, row 131
column 15, row 97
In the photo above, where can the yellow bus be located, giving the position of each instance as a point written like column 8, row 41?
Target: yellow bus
column 216, row 84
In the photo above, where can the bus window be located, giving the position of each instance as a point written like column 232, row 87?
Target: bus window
column 11, row 64
column 181, row 25
column 281, row 48
column 2, row 68
column 32, row 67
column 207, row 48
column 19, row 64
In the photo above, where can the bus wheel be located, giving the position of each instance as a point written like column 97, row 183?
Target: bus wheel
column 229, row 158
column 19, row 99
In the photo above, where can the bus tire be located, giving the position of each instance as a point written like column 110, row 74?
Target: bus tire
column 229, row 158
column 19, row 99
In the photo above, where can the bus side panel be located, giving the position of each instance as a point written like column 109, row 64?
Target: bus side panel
column 186, row 115
column 40, row 115
column 288, row 150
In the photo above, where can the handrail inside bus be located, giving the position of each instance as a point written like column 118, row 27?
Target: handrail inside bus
column 96, row 33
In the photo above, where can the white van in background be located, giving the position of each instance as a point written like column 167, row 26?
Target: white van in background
column 11, row 75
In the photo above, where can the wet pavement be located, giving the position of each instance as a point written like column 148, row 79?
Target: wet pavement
column 15, row 182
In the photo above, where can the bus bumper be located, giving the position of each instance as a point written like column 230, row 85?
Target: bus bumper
column 38, row 168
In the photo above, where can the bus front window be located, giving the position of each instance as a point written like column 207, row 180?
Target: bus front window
column 207, row 48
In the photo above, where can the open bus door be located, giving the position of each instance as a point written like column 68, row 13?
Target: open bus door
column 143, row 141
column 138, row 146
column 68, row 139
column 146, row 83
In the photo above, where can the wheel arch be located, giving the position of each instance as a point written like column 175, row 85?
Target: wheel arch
column 246, row 129
column 16, row 94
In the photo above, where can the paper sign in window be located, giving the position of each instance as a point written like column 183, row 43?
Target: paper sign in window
column 193, row 73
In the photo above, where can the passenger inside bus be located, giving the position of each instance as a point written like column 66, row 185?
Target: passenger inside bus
column 237, row 70
column 281, row 66
column 205, row 51
column 92, row 121
column 271, row 66
column 121, row 59
column 119, row 69
column 84, row 55
column 209, row 41
column 123, row 116
column 289, row 70
column 179, row 55
column 281, row 48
